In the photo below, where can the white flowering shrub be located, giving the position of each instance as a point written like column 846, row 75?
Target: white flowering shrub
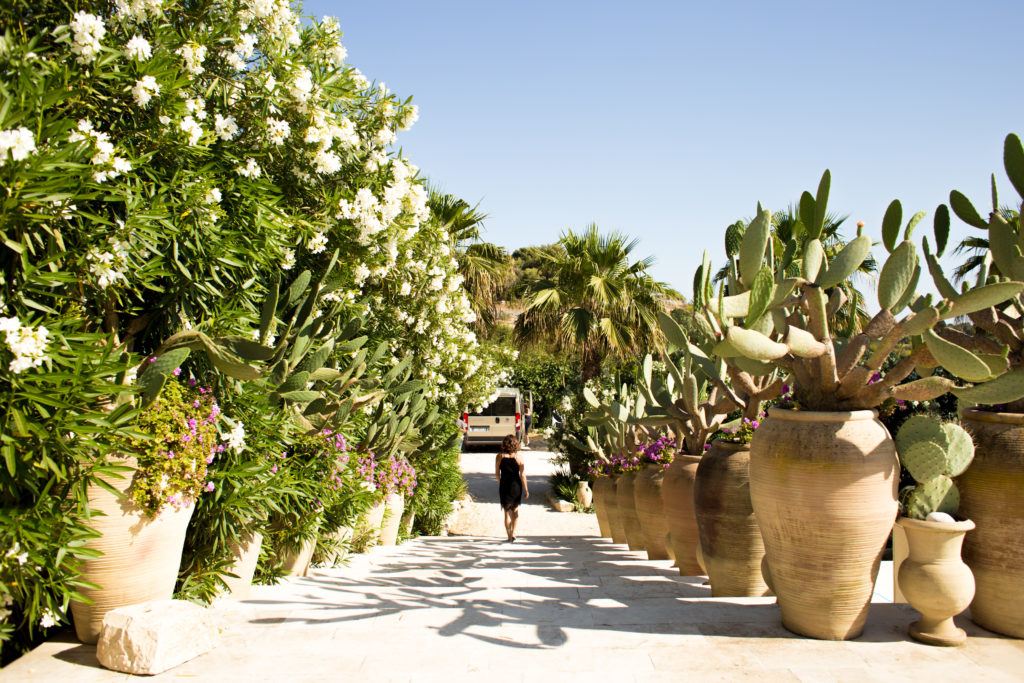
column 164, row 161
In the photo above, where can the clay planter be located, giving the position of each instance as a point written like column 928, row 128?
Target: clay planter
column 649, row 510
column 935, row 580
column 374, row 520
column 603, row 488
column 823, row 488
column 626, row 499
column 730, row 540
column 616, row 528
column 394, row 505
column 140, row 560
column 246, row 553
column 992, row 496
column 677, row 503
column 296, row 562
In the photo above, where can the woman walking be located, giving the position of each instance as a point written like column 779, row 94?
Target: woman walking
column 508, row 468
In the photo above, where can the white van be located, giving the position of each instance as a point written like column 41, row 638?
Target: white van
column 502, row 417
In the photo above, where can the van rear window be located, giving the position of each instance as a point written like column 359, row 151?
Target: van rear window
column 504, row 405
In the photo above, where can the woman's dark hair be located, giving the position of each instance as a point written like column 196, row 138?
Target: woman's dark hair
column 509, row 444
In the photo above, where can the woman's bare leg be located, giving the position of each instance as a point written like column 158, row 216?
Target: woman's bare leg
column 509, row 526
column 514, row 514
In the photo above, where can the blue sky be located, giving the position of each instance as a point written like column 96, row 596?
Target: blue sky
column 669, row 120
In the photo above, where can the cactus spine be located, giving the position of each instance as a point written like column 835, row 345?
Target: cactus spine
column 933, row 452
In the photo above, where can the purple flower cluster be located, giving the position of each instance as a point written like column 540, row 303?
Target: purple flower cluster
column 745, row 432
column 658, row 452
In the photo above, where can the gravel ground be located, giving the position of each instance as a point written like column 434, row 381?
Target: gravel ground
column 481, row 516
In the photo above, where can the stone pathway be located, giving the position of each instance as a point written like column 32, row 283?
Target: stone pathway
column 475, row 608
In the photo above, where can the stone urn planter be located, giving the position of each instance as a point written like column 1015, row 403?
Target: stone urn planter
column 677, row 503
column 246, row 553
column 603, row 488
column 614, row 516
column 650, row 511
column 730, row 539
column 934, row 579
column 823, row 487
column 992, row 496
column 626, row 498
column 394, row 505
column 140, row 560
column 374, row 520
column 296, row 561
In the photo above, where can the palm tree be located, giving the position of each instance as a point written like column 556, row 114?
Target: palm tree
column 597, row 301
column 485, row 267
column 977, row 247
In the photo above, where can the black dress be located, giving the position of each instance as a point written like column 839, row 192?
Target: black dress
column 510, row 486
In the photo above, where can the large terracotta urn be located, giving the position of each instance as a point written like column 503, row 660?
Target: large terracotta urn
column 823, row 487
column 992, row 496
column 650, row 511
column 246, row 554
column 603, row 488
column 730, row 540
column 295, row 562
column 140, row 560
column 677, row 502
column 934, row 579
column 618, row 531
column 626, row 499
column 394, row 505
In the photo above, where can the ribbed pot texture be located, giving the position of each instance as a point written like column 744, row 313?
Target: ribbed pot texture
column 296, row 562
column 603, row 488
column 394, row 505
column 650, row 511
column 730, row 538
column 374, row 520
column 614, row 518
column 992, row 496
column 934, row 579
column 140, row 560
column 677, row 502
column 246, row 553
column 626, row 498
column 823, row 487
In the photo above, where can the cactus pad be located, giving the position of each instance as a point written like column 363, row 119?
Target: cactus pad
column 925, row 460
column 920, row 428
column 960, row 451
column 938, row 495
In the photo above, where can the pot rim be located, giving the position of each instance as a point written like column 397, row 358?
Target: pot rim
column 992, row 416
column 822, row 415
column 730, row 445
column 935, row 527
column 686, row 457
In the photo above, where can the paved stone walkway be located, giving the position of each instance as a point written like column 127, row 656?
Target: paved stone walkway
column 553, row 606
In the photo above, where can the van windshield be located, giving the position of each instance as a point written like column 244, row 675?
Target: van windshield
column 503, row 405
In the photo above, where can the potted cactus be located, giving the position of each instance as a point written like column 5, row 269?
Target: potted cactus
column 989, row 353
column 823, row 477
column 714, row 488
column 934, row 579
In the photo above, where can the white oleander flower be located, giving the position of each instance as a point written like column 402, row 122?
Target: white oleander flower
column 301, row 85
column 278, row 131
column 87, row 32
column 288, row 262
column 20, row 142
column 191, row 127
column 337, row 54
column 317, row 243
column 193, row 55
column 361, row 273
column 28, row 344
column 327, row 162
column 197, row 107
column 47, row 619
column 250, row 170
column 225, row 127
column 138, row 48
column 144, row 90
column 412, row 115
column 236, row 438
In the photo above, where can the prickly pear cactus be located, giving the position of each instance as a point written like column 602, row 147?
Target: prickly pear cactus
column 933, row 452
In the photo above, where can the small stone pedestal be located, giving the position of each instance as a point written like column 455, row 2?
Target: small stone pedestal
column 152, row 637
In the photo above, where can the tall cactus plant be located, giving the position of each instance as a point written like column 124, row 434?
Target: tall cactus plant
column 784, row 321
column 991, row 355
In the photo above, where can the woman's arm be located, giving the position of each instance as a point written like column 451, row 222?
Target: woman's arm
column 497, row 467
column 522, row 477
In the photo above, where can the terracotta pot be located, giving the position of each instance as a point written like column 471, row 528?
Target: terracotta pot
column 650, row 511
column 677, row 502
column 296, row 562
column 603, row 488
column 140, row 561
column 730, row 540
column 394, row 505
column 935, row 580
column 246, row 553
column 626, row 498
column 374, row 520
column 992, row 496
column 823, row 487
column 584, row 496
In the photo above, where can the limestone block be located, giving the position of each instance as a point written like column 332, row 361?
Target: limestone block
column 151, row 637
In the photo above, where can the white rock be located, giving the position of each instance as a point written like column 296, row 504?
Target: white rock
column 939, row 517
column 152, row 637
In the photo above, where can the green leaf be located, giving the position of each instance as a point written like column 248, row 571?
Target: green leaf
column 1013, row 162
column 301, row 396
column 820, row 205
column 912, row 223
column 351, row 345
column 269, row 309
column 1003, row 389
column 846, row 262
column 298, row 287
column 753, row 246
column 760, row 296
column 940, row 226
column 807, row 209
column 896, row 275
column 814, row 258
column 957, row 359
column 891, row 224
column 963, row 208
